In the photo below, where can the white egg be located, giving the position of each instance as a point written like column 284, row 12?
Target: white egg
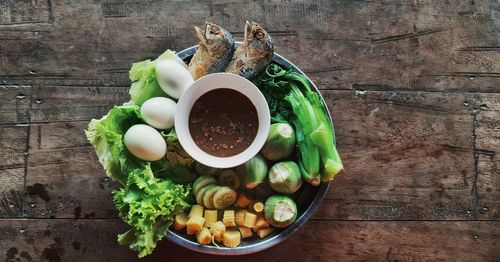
column 145, row 142
column 159, row 112
column 172, row 77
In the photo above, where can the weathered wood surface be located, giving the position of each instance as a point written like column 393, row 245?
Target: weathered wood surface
column 413, row 87
column 93, row 240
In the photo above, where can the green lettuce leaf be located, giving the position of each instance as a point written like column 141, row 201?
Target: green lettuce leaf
column 148, row 204
column 106, row 135
column 144, row 84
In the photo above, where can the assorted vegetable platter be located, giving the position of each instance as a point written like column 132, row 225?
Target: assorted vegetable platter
column 231, row 211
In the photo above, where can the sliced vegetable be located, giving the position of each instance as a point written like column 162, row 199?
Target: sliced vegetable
column 228, row 218
column 208, row 197
column 195, row 223
column 224, row 197
column 253, row 172
column 210, row 217
column 285, row 177
column 180, row 221
column 243, row 200
column 231, row 238
column 264, row 232
column 256, row 207
column 201, row 182
column 196, row 210
column 260, row 222
column 246, row 232
column 280, row 211
column 239, row 217
column 229, row 178
column 201, row 192
column 217, row 229
column 280, row 142
column 250, row 219
column 204, row 236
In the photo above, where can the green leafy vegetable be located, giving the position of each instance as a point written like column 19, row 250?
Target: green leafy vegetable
column 106, row 135
column 148, row 205
column 143, row 76
column 291, row 100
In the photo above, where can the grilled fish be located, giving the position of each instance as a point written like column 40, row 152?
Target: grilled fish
column 254, row 54
column 215, row 51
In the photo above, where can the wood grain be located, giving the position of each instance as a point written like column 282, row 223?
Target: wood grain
column 413, row 88
column 94, row 240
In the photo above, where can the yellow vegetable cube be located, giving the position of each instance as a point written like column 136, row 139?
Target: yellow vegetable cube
column 195, row 224
column 204, row 236
column 210, row 217
column 245, row 232
column 231, row 238
column 180, row 221
column 228, row 218
column 239, row 217
column 250, row 219
column 263, row 232
column 217, row 229
column 196, row 210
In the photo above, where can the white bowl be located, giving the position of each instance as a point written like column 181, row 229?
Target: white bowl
column 202, row 86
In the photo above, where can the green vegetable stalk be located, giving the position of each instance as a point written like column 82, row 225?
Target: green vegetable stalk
column 287, row 91
column 305, row 122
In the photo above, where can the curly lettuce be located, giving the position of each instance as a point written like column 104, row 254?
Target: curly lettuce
column 146, row 202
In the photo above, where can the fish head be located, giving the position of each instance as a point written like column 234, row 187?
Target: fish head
column 214, row 38
column 257, row 38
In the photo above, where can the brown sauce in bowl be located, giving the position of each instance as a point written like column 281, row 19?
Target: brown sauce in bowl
column 223, row 122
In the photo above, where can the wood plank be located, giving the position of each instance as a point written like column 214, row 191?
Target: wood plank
column 407, row 156
column 15, row 106
column 94, row 240
column 487, row 191
column 13, row 140
column 424, row 45
column 71, row 103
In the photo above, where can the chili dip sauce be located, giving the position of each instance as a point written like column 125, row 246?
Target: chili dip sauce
column 223, row 122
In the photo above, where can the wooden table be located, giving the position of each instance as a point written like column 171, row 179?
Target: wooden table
column 413, row 87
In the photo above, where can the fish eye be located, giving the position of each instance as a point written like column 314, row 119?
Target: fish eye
column 260, row 35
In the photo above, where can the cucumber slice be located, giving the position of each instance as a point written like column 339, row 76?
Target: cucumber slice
column 224, row 197
column 201, row 182
column 201, row 191
column 229, row 178
column 208, row 197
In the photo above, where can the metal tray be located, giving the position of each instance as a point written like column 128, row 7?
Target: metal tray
column 308, row 199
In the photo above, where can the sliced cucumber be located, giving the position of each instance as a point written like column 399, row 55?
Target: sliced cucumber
column 224, row 197
column 229, row 178
column 208, row 197
column 201, row 191
column 201, row 182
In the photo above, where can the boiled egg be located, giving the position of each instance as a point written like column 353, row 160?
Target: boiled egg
column 145, row 142
column 172, row 77
column 159, row 112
